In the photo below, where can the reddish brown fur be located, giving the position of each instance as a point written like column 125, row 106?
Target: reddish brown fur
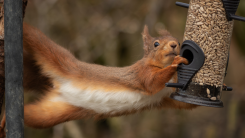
column 45, row 113
column 44, row 60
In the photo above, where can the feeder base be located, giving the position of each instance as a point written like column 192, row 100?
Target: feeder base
column 196, row 100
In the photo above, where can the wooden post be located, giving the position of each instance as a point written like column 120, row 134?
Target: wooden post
column 13, row 49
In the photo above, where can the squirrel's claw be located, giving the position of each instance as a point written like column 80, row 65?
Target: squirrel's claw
column 178, row 60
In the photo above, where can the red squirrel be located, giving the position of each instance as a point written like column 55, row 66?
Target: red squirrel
column 75, row 90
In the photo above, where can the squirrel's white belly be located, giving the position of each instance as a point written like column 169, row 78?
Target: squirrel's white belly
column 103, row 101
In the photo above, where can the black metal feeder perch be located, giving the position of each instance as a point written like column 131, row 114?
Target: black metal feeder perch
column 206, row 46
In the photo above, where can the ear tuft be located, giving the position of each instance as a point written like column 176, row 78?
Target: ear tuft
column 164, row 33
column 145, row 34
column 146, row 31
column 146, row 39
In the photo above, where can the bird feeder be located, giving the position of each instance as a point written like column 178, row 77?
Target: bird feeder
column 206, row 46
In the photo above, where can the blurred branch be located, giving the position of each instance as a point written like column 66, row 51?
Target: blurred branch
column 211, row 131
column 74, row 130
column 156, row 7
column 58, row 131
column 232, row 118
column 44, row 6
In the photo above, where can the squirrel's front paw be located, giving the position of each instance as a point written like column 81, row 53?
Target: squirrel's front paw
column 178, row 59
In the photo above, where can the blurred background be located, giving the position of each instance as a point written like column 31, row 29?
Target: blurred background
column 108, row 32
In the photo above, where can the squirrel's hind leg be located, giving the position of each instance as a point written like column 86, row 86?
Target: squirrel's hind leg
column 2, row 132
column 49, row 112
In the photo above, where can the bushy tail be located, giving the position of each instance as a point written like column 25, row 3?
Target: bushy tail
column 44, row 61
column 51, row 57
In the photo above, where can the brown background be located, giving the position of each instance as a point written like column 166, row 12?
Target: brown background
column 108, row 32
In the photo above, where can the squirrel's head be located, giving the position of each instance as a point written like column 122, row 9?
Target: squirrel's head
column 160, row 51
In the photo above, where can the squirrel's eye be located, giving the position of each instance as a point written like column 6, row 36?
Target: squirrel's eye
column 179, row 43
column 156, row 44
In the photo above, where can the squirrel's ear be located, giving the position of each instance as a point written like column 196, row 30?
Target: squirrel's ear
column 146, row 31
column 146, row 39
column 164, row 33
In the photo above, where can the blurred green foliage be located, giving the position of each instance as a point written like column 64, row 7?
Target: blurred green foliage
column 108, row 32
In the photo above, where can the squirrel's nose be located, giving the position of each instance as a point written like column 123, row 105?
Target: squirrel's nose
column 173, row 46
